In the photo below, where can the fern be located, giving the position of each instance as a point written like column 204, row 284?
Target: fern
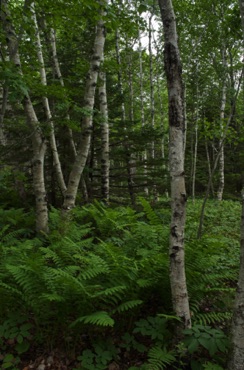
column 212, row 317
column 150, row 213
column 100, row 318
column 125, row 306
column 159, row 358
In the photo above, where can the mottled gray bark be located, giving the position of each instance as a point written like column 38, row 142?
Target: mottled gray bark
column 173, row 70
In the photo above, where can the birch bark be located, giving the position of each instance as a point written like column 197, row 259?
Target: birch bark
column 144, row 153
column 61, row 80
column 222, row 116
column 89, row 98
column 45, row 102
column 129, row 167
column 176, row 162
column 38, row 140
column 196, row 138
column 104, row 138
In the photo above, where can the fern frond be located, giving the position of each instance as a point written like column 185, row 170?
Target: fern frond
column 128, row 305
column 159, row 358
column 100, row 318
column 9, row 288
column 212, row 317
column 149, row 212
column 52, row 297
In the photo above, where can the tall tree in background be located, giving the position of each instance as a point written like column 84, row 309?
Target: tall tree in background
column 173, row 71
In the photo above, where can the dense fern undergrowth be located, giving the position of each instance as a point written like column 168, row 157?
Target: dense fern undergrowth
column 97, row 287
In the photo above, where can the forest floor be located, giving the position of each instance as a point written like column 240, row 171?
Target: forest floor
column 109, row 268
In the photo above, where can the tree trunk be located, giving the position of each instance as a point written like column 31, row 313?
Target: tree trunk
column 38, row 140
column 45, row 102
column 222, row 116
column 237, row 355
column 144, row 153
column 176, row 161
column 89, row 98
column 60, row 77
column 104, row 138
column 123, row 117
column 196, row 138
column 4, row 98
column 130, row 156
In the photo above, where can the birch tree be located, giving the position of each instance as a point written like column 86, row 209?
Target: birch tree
column 86, row 124
column 46, row 105
column 173, row 70
column 37, row 137
column 104, row 138
column 222, row 116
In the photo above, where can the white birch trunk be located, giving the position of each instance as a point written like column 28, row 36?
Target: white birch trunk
column 89, row 98
column 144, row 153
column 196, row 139
column 222, row 116
column 104, row 138
column 131, row 161
column 60, row 77
column 123, row 117
column 38, row 141
column 176, row 160
column 45, row 101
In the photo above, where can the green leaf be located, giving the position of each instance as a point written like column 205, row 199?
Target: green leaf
column 22, row 347
column 19, row 338
column 206, row 343
column 142, row 8
column 222, row 344
column 193, row 347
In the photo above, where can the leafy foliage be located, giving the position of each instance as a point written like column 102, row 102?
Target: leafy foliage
column 90, row 274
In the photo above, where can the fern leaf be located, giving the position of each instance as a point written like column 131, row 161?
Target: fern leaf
column 150, row 213
column 128, row 305
column 52, row 297
column 159, row 358
column 100, row 318
column 212, row 317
